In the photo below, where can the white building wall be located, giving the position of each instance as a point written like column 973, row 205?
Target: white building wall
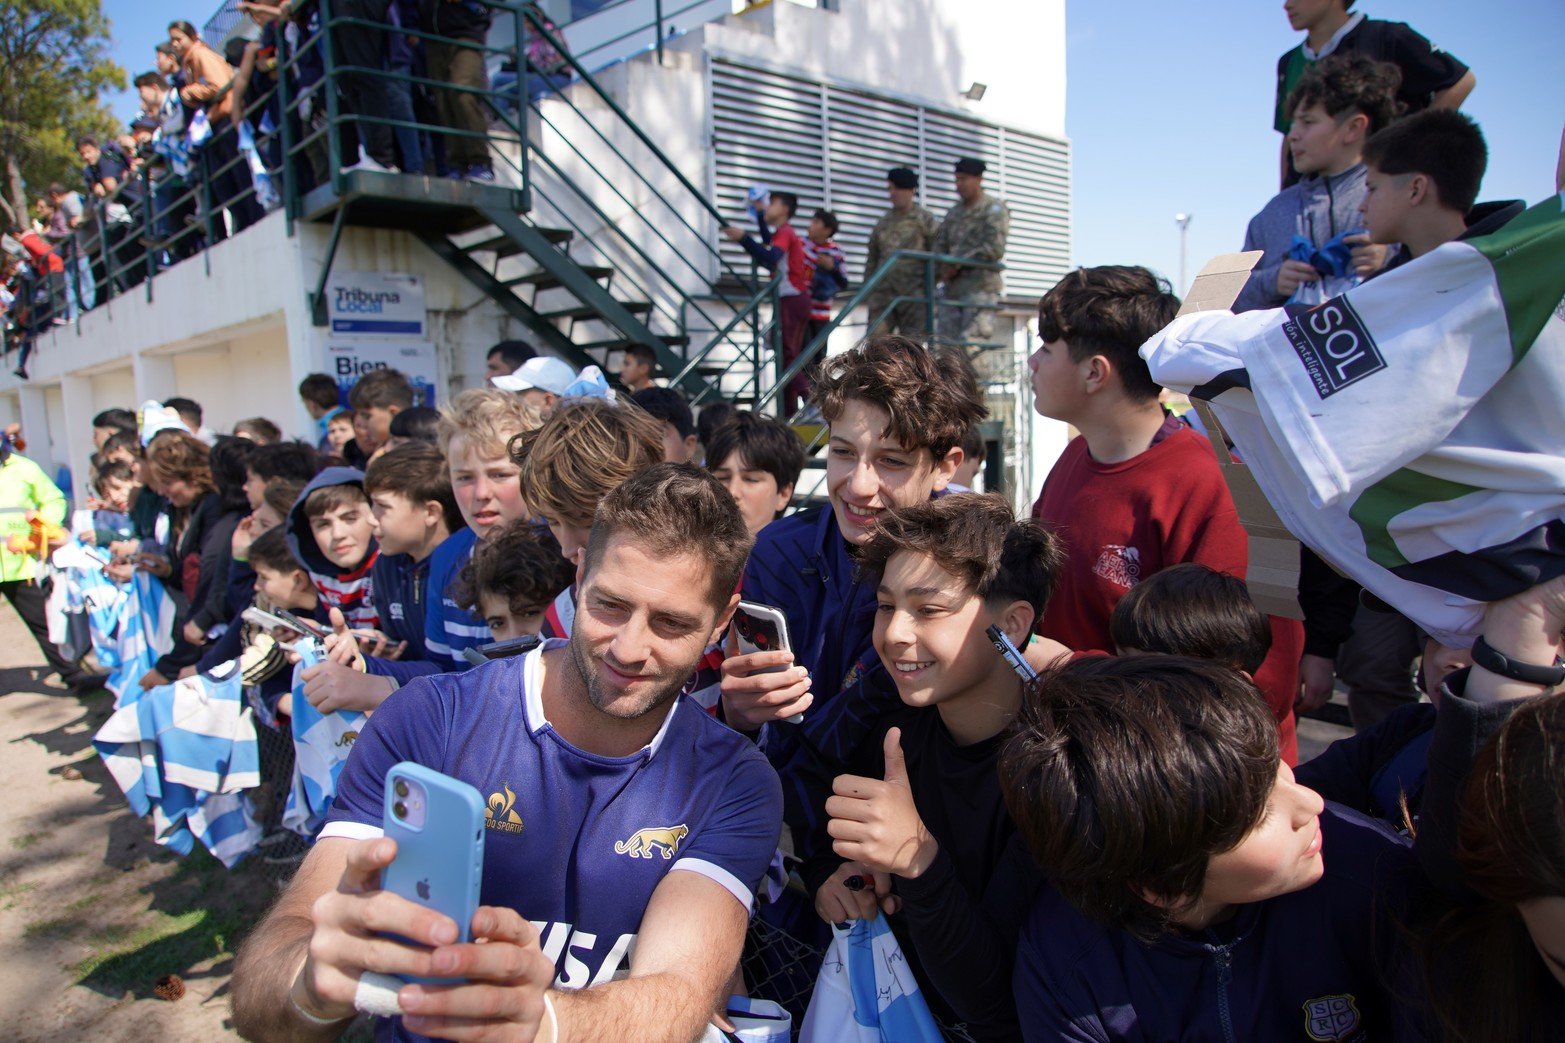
column 927, row 49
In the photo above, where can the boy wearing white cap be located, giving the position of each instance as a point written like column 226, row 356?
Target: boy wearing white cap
column 541, row 381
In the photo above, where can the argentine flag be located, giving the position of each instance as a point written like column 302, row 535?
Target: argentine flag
column 1409, row 431
column 321, row 743
column 185, row 753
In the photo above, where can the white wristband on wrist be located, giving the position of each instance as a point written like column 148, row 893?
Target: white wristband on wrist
column 298, row 1008
column 551, row 1018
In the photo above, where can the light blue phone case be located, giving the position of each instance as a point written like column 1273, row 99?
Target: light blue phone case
column 440, row 863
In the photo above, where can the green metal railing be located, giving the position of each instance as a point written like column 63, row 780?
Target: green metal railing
column 645, row 221
column 510, row 131
column 930, row 299
column 117, row 266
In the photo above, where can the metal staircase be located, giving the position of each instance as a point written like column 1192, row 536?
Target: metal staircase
column 591, row 236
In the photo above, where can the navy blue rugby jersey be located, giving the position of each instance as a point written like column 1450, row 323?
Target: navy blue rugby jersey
column 576, row 842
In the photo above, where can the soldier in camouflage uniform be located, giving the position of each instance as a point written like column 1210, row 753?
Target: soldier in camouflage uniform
column 976, row 227
column 906, row 226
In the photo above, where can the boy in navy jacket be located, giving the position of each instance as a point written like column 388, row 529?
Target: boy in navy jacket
column 896, row 414
column 1196, row 890
column 415, row 512
column 918, row 807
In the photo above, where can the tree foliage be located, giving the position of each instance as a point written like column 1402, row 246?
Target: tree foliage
column 53, row 65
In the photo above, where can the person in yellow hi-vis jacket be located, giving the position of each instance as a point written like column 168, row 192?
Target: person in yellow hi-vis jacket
column 31, row 509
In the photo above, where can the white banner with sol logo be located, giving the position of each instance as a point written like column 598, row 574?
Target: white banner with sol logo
column 375, row 304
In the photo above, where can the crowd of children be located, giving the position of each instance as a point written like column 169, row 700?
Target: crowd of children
column 1057, row 753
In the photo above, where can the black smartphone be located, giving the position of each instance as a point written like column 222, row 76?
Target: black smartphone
column 501, row 649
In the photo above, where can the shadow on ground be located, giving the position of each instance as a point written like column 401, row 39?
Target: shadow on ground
column 135, row 911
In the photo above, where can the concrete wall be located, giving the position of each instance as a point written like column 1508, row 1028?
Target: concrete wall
column 619, row 205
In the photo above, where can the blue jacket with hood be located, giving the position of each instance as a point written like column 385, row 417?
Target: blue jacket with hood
column 801, row 565
column 409, row 607
column 348, row 589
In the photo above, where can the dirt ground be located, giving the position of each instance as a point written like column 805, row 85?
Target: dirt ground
column 92, row 912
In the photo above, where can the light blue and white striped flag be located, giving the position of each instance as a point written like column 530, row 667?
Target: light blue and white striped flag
column 321, row 744
column 146, row 632
column 88, row 590
column 866, row 993
column 185, row 753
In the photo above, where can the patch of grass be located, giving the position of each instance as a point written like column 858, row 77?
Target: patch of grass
column 82, row 903
column 12, row 894
column 56, row 928
column 109, row 934
column 134, row 958
column 24, row 841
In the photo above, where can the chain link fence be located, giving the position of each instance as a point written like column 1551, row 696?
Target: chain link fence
column 281, row 850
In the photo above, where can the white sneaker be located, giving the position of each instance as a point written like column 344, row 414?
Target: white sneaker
column 366, row 163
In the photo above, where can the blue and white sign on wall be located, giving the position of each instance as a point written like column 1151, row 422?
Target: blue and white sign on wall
column 349, row 360
column 375, row 304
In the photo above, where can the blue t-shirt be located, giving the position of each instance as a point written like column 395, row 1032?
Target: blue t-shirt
column 449, row 628
column 576, row 842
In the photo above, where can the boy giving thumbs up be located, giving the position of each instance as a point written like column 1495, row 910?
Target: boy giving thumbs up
column 917, row 826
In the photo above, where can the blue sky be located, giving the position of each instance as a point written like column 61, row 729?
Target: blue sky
column 1169, row 107
column 136, row 27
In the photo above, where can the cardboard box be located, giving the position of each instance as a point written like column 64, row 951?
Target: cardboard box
column 1273, row 574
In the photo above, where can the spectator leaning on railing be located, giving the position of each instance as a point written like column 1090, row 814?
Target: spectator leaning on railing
column 172, row 203
column 69, row 234
column 56, row 234
column 106, row 177
column 207, row 78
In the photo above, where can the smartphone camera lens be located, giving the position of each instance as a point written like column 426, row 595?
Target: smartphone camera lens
column 399, row 809
column 401, row 787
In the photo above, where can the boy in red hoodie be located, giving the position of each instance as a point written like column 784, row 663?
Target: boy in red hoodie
column 1137, row 490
